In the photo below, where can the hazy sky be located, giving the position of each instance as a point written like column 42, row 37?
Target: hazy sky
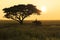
column 52, row 8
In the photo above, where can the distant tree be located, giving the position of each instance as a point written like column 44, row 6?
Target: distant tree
column 36, row 22
column 20, row 12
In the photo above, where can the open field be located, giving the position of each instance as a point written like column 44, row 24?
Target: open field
column 11, row 30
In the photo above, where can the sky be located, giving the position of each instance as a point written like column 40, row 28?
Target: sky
column 52, row 8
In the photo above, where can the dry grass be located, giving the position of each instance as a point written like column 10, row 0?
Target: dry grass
column 27, row 31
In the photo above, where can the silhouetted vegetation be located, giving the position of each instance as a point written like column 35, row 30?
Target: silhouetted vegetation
column 36, row 22
column 11, row 30
column 20, row 12
column 16, row 31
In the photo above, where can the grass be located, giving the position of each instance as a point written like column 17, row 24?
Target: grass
column 27, row 31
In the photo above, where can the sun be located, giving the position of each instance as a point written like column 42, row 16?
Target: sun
column 43, row 9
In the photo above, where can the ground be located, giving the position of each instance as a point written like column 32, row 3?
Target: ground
column 10, row 30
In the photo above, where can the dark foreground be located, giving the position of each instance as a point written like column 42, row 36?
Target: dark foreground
column 14, row 31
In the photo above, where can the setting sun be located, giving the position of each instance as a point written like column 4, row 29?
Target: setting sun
column 50, row 8
column 43, row 9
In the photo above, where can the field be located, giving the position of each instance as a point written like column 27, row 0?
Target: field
column 11, row 30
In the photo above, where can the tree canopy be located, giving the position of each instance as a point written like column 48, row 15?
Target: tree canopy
column 20, row 12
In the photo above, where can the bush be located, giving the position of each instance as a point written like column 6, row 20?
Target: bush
column 37, row 22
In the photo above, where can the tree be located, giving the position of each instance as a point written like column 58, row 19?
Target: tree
column 36, row 22
column 20, row 12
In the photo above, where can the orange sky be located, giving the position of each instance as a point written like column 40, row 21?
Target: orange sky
column 52, row 8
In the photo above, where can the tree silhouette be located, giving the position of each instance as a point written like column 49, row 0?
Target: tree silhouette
column 20, row 12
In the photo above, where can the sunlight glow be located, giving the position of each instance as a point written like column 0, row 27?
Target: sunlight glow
column 50, row 9
column 43, row 9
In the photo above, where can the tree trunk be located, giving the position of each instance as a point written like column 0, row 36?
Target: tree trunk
column 21, row 21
